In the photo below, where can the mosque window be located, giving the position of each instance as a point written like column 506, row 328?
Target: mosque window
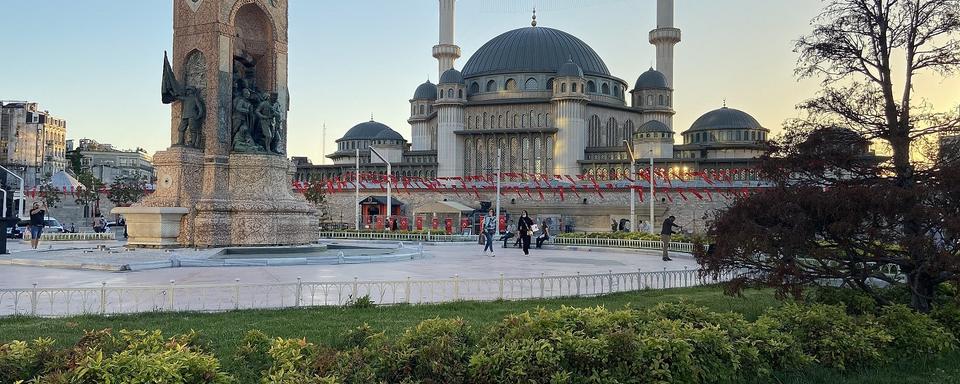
column 510, row 85
column 591, row 87
column 668, row 101
column 474, row 88
column 531, row 84
column 739, row 136
column 563, row 87
column 605, row 89
column 661, row 99
column 573, row 87
column 450, row 93
column 538, row 155
column 525, row 152
column 421, row 109
column 550, row 83
column 460, row 93
column 514, row 154
column 479, row 153
column 616, row 91
column 491, row 86
column 649, row 99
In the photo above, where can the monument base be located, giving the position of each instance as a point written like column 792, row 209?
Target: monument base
column 259, row 208
column 157, row 227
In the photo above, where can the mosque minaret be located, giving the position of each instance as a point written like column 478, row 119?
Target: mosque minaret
column 446, row 51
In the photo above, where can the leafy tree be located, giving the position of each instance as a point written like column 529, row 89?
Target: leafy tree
column 316, row 196
column 126, row 190
column 834, row 214
column 90, row 193
column 76, row 162
column 49, row 194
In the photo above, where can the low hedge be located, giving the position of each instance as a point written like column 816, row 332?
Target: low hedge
column 630, row 236
column 675, row 343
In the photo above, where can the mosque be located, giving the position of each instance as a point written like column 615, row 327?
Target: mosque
column 543, row 101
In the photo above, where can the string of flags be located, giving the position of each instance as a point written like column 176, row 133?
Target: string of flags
column 36, row 191
column 667, row 184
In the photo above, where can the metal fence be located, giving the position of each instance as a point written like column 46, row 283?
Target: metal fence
column 53, row 302
column 571, row 241
column 620, row 243
column 67, row 236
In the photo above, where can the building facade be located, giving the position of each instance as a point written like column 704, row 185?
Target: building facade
column 108, row 163
column 543, row 101
column 32, row 141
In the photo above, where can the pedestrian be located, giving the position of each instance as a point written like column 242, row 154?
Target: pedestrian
column 544, row 234
column 489, row 227
column 37, row 214
column 665, row 233
column 73, row 228
column 98, row 224
column 525, row 227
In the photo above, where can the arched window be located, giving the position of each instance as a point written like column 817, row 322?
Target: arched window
column 460, row 93
column 613, row 139
column 563, row 87
column 616, row 91
column 500, row 121
column 481, row 149
column 591, row 87
column 628, row 130
column 484, row 121
column 550, row 84
column 605, row 89
column 539, row 118
column 593, row 132
column 421, row 109
column 525, row 153
column 510, row 85
column 450, row 93
column 668, row 100
column 491, row 86
column 573, row 87
column 538, row 155
column 649, row 99
column 474, row 88
column 493, row 121
column 515, row 153
column 531, row 84
column 661, row 99
column 514, row 121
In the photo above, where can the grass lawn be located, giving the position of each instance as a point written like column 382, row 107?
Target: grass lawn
column 325, row 325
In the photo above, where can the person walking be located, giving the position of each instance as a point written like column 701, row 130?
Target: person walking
column 489, row 228
column 544, row 234
column 665, row 233
column 525, row 227
column 37, row 214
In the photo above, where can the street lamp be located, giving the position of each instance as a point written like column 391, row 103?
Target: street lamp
column 389, row 172
column 356, row 194
column 652, row 196
column 633, row 184
column 22, row 196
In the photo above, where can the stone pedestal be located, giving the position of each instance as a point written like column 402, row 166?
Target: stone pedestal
column 258, row 207
column 152, row 226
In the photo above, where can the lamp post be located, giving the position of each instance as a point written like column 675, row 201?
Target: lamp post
column 499, row 155
column 633, row 183
column 356, row 193
column 652, row 196
column 389, row 173
column 22, row 196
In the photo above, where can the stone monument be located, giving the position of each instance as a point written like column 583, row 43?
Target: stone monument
column 225, row 180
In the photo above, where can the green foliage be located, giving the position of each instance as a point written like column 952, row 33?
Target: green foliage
column 948, row 315
column 90, row 192
column 291, row 362
column 631, row 236
column 126, row 190
column 49, row 194
column 361, row 302
column 27, row 360
column 856, row 302
column 253, row 355
column 436, row 350
column 914, row 334
column 829, row 335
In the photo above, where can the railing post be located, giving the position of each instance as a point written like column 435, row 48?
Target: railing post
column 639, row 279
column 236, row 293
column 686, row 277
column 406, row 290
column 501, row 287
column 456, row 287
column 170, row 296
column 34, row 299
column 578, row 284
column 541, row 284
column 103, row 297
column 609, row 281
column 296, row 301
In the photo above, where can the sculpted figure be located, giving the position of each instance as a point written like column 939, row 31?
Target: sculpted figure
column 278, row 123
column 193, row 110
column 265, row 118
column 242, row 121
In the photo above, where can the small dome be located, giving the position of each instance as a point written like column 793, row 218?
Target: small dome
column 426, row 91
column 365, row 131
column 451, row 76
column 570, row 69
column 651, row 79
column 654, row 126
column 725, row 118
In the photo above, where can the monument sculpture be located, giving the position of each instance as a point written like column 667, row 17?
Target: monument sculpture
column 225, row 179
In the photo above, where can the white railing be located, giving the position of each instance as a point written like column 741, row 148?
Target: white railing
column 396, row 236
column 87, row 236
column 620, row 243
column 40, row 301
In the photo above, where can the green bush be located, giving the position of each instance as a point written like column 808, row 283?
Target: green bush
column 436, row 350
column 855, row 301
column 829, row 335
column 629, row 236
column 914, row 334
column 948, row 315
column 253, row 356
column 27, row 360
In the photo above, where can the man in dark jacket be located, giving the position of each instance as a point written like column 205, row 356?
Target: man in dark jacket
column 665, row 233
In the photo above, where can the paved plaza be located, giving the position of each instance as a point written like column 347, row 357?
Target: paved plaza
column 440, row 261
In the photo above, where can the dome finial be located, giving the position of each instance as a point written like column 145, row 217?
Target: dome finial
column 371, row 116
column 724, row 102
column 534, row 22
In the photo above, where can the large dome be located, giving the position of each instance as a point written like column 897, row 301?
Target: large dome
column 725, row 118
column 533, row 49
column 371, row 130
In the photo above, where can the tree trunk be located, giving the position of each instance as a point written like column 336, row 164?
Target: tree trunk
column 922, row 291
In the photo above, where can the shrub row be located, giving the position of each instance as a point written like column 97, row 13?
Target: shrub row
column 676, row 343
column 629, row 236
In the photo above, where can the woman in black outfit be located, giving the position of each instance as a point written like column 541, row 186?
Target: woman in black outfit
column 524, row 225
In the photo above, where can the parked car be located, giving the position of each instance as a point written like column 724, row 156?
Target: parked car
column 50, row 225
column 14, row 232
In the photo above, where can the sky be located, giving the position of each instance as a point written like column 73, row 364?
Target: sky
column 98, row 63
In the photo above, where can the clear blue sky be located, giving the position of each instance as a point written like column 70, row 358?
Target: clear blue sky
column 97, row 63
